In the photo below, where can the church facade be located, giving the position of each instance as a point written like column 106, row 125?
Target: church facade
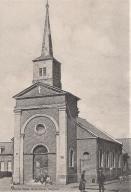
column 50, row 137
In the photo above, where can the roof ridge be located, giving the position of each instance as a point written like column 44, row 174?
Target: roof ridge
column 124, row 138
column 81, row 125
column 108, row 135
column 23, row 91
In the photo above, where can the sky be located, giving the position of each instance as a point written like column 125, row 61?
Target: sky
column 90, row 39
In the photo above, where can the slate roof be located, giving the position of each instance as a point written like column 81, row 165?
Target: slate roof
column 95, row 131
column 42, row 58
column 8, row 148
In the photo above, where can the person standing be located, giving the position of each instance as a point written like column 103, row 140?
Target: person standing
column 82, row 182
column 101, row 179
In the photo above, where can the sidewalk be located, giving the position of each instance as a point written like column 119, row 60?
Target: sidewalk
column 109, row 186
column 112, row 186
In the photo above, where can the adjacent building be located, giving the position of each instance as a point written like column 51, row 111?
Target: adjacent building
column 6, row 159
column 126, row 155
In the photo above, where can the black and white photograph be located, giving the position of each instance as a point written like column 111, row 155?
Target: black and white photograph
column 64, row 96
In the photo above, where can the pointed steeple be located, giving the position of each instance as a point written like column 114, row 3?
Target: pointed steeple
column 47, row 50
column 46, row 69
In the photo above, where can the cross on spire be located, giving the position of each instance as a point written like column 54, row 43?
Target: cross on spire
column 47, row 4
column 47, row 50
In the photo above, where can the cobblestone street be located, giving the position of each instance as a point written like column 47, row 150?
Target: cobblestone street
column 110, row 187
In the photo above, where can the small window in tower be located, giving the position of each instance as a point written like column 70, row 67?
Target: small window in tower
column 40, row 72
column 44, row 71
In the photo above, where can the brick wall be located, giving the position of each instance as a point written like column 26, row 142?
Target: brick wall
column 40, row 64
column 72, row 113
column 86, row 143
column 56, row 74
column 71, row 145
column 40, row 101
column 32, row 139
column 28, row 168
column 88, row 164
column 52, row 112
column 111, row 171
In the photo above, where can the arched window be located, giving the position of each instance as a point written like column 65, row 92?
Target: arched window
column 40, row 149
column 107, row 159
column 71, row 158
column 40, row 160
column 101, row 158
column 112, row 155
column 86, row 155
column 119, row 161
column 113, row 159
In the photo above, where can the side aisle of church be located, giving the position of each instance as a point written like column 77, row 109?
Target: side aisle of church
column 49, row 137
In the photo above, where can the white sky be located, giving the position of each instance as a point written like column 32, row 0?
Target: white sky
column 90, row 38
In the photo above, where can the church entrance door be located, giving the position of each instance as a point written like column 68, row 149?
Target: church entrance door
column 40, row 164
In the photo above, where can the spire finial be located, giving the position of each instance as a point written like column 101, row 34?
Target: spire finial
column 47, row 4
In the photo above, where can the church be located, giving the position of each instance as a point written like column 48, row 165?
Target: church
column 49, row 135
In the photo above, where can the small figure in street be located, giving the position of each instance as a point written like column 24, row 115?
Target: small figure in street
column 82, row 182
column 101, row 179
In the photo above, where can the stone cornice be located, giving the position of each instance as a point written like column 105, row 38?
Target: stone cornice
column 19, row 109
column 40, row 96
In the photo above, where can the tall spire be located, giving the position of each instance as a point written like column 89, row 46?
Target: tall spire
column 47, row 50
column 46, row 69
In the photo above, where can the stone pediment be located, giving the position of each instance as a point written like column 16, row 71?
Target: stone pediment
column 39, row 90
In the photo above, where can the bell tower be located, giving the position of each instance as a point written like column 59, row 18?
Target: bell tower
column 46, row 68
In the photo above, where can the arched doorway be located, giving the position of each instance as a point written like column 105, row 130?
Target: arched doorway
column 40, row 161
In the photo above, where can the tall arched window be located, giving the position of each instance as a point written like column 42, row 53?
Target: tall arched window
column 71, row 158
column 101, row 158
column 119, row 161
column 107, row 159
column 113, row 159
